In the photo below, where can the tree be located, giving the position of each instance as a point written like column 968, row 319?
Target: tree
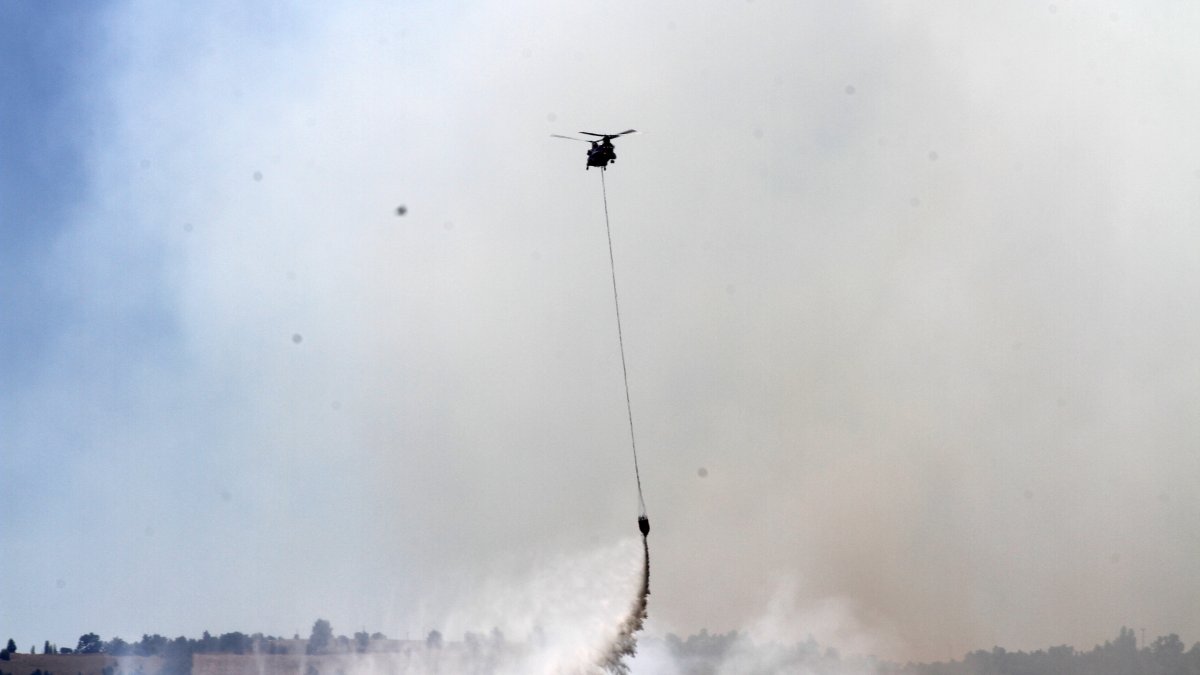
column 362, row 641
column 177, row 657
column 46, row 648
column 117, row 647
column 473, row 642
column 151, row 645
column 434, row 640
column 322, row 635
column 89, row 643
column 12, row 646
column 1168, row 654
column 207, row 643
column 233, row 643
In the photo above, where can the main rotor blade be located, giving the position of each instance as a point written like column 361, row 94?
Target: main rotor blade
column 570, row 138
column 627, row 131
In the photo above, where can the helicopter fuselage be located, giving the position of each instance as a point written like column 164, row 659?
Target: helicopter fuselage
column 601, row 155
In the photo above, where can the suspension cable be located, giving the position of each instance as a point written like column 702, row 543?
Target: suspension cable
column 621, row 341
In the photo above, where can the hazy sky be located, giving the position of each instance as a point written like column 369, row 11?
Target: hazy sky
column 915, row 283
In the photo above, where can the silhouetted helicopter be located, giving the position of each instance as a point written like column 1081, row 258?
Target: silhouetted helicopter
column 601, row 153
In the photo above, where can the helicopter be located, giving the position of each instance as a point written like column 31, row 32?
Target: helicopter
column 602, row 153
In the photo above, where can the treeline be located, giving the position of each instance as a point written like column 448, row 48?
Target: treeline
column 157, row 645
column 177, row 653
column 321, row 641
column 701, row 654
column 733, row 652
column 1166, row 655
column 708, row 654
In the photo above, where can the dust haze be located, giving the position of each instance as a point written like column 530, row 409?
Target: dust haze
column 909, row 295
